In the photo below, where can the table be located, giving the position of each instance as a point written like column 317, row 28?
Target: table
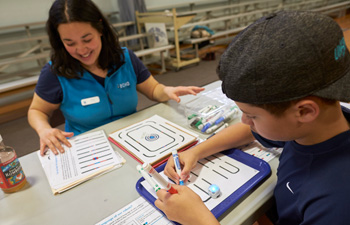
column 100, row 197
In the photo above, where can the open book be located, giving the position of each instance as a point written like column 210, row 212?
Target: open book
column 153, row 139
column 90, row 155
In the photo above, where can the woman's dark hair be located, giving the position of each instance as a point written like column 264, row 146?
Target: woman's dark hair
column 67, row 11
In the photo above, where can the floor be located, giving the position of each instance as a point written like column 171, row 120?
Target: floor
column 19, row 135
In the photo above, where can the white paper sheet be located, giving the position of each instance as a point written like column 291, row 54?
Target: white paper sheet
column 259, row 151
column 90, row 154
column 139, row 212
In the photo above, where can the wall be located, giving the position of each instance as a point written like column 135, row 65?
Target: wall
column 14, row 12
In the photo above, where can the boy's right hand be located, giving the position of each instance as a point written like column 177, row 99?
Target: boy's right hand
column 185, row 207
column 188, row 161
column 53, row 138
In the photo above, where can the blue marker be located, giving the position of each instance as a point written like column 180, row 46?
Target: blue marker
column 227, row 116
column 177, row 165
column 211, row 121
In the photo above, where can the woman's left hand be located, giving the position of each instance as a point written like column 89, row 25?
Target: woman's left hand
column 174, row 92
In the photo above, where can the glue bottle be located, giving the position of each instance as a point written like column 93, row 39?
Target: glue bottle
column 12, row 177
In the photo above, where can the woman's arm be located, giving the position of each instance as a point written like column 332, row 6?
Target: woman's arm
column 39, row 114
column 155, row 91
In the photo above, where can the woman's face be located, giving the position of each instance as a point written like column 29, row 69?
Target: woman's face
column 82, row 42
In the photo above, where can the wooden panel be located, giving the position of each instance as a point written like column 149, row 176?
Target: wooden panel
column 344, row 23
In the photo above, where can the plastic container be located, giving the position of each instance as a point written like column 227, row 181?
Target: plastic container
column 210, row 111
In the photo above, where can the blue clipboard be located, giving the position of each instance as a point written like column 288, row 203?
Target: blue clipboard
column 260, row 165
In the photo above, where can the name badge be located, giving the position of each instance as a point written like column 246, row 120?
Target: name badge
column 90, row 101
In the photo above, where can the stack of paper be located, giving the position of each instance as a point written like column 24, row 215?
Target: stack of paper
column 90, row 155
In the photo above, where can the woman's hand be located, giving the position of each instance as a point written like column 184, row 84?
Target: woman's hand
column 174, row 92
column 53, row 139
column 161, row 93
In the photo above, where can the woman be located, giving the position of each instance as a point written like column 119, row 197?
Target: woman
column 90, row 77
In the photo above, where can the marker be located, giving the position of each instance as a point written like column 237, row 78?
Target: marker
column 227, row 115
column 219, row 129
column 212, row 120
column 191, row 116
column 198, row 123
column 195, row 121
column 148, row 178
column 177, row 165
column 207, row 108
column 167, row 186
column 206, row 120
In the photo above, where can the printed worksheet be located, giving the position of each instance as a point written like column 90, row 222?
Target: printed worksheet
column 90, row 155
column 259, row 151
column 139, row 212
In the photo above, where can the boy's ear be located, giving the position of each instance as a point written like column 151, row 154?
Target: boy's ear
column 307, row 110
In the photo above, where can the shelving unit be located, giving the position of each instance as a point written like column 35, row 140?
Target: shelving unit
column 172, row 19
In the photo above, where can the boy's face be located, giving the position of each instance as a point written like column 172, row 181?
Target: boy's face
column 282, row 128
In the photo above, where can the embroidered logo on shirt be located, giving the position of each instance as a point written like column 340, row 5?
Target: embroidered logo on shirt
column 287, row 185
column 123, row 85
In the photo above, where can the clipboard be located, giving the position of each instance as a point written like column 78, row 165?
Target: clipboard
column 263, row 172
column 159, row 162
column 152, row 140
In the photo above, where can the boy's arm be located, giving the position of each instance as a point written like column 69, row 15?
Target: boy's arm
column 186, row 207
column 233, row 136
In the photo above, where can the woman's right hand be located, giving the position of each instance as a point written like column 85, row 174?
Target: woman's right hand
column 53, row 139
column 188, row 161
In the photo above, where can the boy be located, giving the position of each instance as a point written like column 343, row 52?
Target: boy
column 287, row 73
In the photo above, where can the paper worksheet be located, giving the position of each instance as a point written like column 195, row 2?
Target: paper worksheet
column 90, row 155
column 259, row 151
column 139, row 212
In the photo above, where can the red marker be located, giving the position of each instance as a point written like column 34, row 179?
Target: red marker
column 167, row 186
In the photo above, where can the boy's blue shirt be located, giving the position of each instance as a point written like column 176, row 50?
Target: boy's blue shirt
column 313, row 181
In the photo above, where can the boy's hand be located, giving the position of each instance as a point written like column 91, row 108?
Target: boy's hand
column 185, row 207
column 188, row 161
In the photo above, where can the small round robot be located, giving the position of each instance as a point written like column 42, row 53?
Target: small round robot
column 214, row 191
